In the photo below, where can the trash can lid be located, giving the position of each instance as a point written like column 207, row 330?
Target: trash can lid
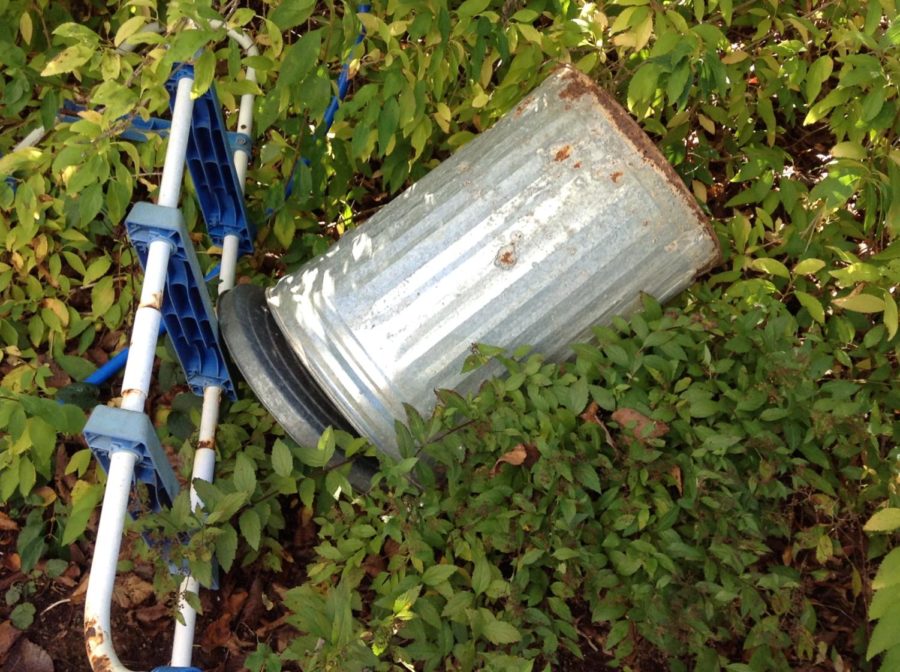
column 278, row 378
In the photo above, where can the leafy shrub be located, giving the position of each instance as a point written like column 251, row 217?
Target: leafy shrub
column 651, row 482
column 776, row 378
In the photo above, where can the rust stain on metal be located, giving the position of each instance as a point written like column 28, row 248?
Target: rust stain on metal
column 155, row 301
column 506, row 257
column 206, row 443
column 564, row 153
column 615, row 176
column 132, row 392
column 578, row 85
column 93, row 640
column 577, row 164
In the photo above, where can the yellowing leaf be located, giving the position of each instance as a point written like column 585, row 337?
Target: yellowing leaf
column 771, row 267
column 735, row 57
column 848, row 150
column 860, row 303
column 129, row 28
column 67, row 60
column 809, row 266
column 708, row 125
column 26, row 27
column 886, row 520
column 890, row 314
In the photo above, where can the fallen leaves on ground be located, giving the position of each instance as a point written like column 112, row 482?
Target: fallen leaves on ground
column 590, row 415
column 27, row 656
column 521, row 454
column 131, row 590
column 642, row 427
column 9, row 634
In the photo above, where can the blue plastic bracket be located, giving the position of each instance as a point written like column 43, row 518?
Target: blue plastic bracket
column 186, row 311
column 109, row 430
column 210, row 161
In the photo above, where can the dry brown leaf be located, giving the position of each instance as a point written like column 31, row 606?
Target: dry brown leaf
column 12, row 562
column 131, row 590
column 642, row 427
column 78, row 594
column 7, row 524
column 676, row 474
column 46, row 493
column 522, row 453
column 590, row 415
column 217, row 633
column 8, row 636
column 154, row 613
column 28, row 656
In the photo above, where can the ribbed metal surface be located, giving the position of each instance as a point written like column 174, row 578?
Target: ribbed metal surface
column 550, row 222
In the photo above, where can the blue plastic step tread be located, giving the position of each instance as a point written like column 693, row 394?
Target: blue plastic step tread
column 187, row 310
column 210, row 162
column 109, row 430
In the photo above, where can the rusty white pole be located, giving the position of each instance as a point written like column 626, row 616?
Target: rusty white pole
column 205, row 456
column 135, row 387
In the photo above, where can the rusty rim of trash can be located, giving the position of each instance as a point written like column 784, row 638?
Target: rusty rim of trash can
column 579, row 85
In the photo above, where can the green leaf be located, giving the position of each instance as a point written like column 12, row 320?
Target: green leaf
column 808, row 266
column 245, row 474
column 481, row 575
column 85, row 497
column 812, row 306
column 129, row 28
column 321, row 455
column 856, row 272
column 103, row 295
column 771, row 267
column 226, row 546
column 438, row 574
column 643, row 85
column 818, row 72
column 501, row 632
column 886, row 520
column 282, row 459
column 860, row 303
column 890, row 314
column 873, row 102
column 472, row 7
column 291, row 13
column 68, row 60
column 299, row 59
column 251, row 528
column 587, row 476
column 204, row 71
column 23, row 615
column 886, row 634
column 888, row 571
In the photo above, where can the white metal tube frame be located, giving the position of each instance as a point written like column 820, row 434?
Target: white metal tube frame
column 136, row 383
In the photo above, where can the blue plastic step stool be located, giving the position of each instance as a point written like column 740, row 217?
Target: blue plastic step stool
column 210, row 162
column 187, row 310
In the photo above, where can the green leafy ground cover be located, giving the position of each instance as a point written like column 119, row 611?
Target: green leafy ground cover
column 688, row 492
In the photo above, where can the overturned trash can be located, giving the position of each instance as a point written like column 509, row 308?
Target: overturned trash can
column 550, row 222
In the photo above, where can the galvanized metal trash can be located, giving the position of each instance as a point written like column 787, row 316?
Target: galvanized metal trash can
column 552, row 221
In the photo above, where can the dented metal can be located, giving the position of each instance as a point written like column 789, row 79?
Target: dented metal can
column 552, row 221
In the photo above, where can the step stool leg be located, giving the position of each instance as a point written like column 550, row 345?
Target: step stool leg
column 135, row 387
column 173, row 168
column 97, row 632
column 204, row 469
column 145, row 333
